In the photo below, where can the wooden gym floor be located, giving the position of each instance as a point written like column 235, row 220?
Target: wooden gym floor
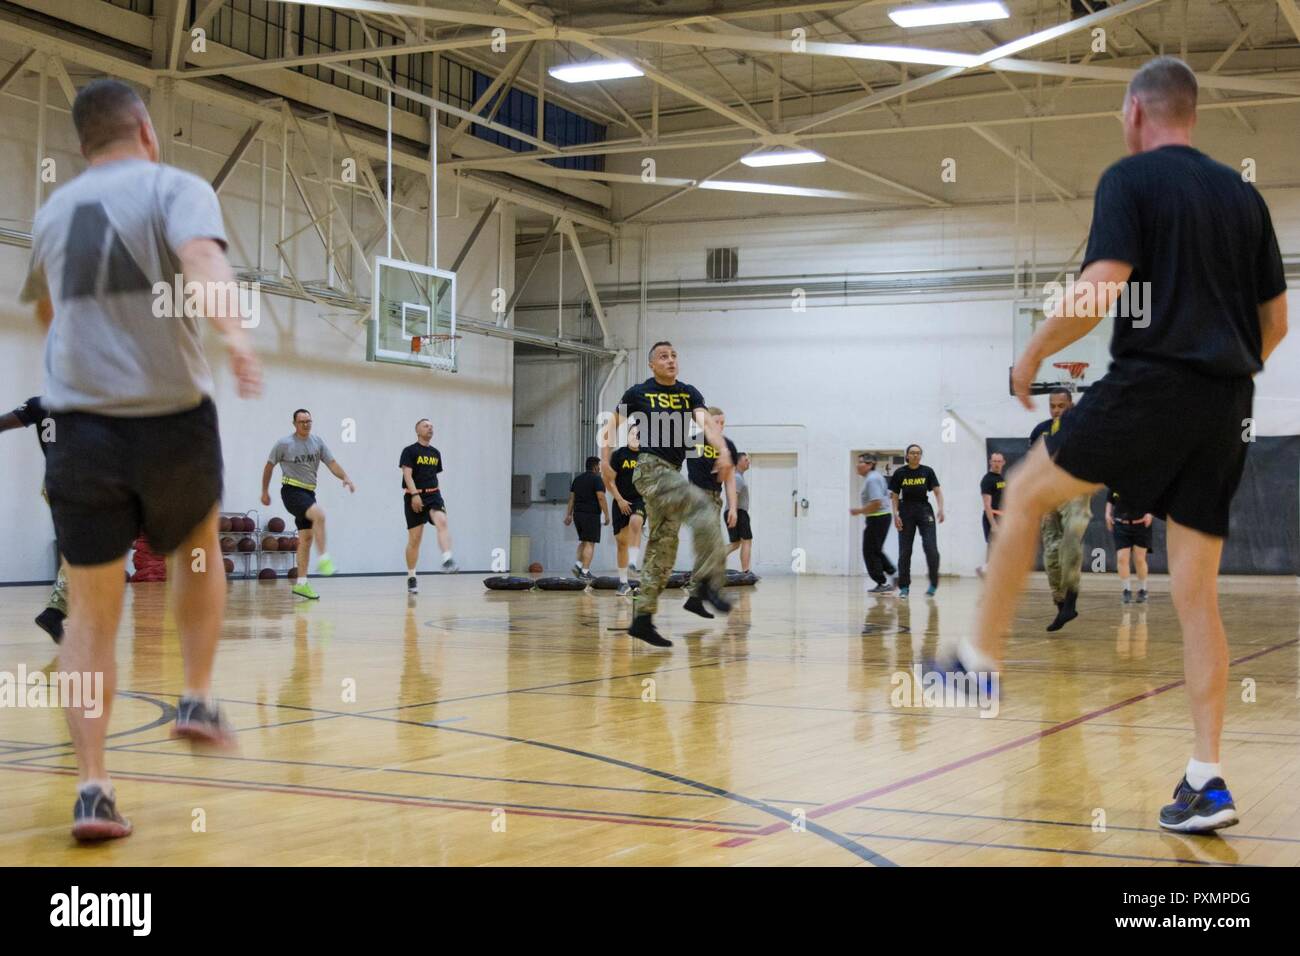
column 513, row 728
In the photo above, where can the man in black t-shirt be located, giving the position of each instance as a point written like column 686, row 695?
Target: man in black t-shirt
column 1131, row 528
column 422, row 502
column 587, row 511
column 666, row 413
column 910, row 488
column 627, row 511
column 991, row 486
column 1064, row 526
column 1189, row 240
column 699, row 469
column 29, row 413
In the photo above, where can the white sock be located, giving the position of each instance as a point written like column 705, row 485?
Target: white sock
column 446, row 555
column 1142, row 584
column 323, row 557
column 1199, row 774
column 410, row 572
column 1126, row 584
column 586, row 569
column 634, row 556
column 302, row 580
column 972, row 659
column 622, row 575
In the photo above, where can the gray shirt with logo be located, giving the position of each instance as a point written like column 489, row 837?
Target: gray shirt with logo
column 103, row 247
column 742, row 491
column 875, row 487
column 299, row 458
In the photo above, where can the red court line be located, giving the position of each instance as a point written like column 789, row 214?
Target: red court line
column 1003, row 748
column 367, row 798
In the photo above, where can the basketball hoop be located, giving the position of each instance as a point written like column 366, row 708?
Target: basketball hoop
column 1075, row 370
column 429, row 344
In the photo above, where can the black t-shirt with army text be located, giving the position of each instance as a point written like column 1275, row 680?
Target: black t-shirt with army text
column 623, row 461
column 912, row 485
column 992, row 484
column 664, row 415
column 425, row 462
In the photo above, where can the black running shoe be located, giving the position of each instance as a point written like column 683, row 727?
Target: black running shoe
column 1128, row 596
column 706, row 593
column 881, row 589
column 412, row 585
column 51, row 622
column 643, row 628
column 1142, row 596
column 696, row 606
column 1199, row 811
column 95, row 816
column 196, row 721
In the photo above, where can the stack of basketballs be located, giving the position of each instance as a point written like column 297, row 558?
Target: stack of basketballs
column 239, row 535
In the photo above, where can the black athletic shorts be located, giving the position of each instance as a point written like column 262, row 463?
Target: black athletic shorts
column 619, row 521
column 109, row 479
column 988, row 528
column 741, row 531
column 1164, row 436
column 1131, row 536
column 588, row 525
column 297, row 501
column 432, row 501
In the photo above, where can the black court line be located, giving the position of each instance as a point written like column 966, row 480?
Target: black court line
column 132, row 748
column 1225, row 836
column 1042, row 849
column 613, row 816
column 167, row 715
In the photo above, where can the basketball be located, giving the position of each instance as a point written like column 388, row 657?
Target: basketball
column 266, row 574
column 246, row 544
column 286, row 543
column 292, row 572
column 270, row 543
column 535, row 567
column 230, row 565
column 223, row 523
column 275, row 525
column 227, row 544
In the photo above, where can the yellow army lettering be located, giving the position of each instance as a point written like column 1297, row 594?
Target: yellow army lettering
column 913, row 481
column 426, row 460
column 629, row 463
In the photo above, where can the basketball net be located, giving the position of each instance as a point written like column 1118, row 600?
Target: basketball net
column 1075, row 370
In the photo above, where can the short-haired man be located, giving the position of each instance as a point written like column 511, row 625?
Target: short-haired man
column 991, row 486
column 299, row 456
column 740, row 533
column 587, row 510
column 1163, row 426
column 136, row 448
column 422, row 502
column 1063, row 527
column 875, row 506
column 665, row 410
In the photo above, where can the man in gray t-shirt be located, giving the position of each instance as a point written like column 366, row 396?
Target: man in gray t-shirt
column 299, row 456
column 741, row 534
column 137, row 450
column 875, row 506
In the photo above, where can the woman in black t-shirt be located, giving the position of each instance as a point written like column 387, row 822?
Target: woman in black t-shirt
column 910, row 487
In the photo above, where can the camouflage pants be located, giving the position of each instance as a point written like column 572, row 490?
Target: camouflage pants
column 1063, row 530
column 669, row 500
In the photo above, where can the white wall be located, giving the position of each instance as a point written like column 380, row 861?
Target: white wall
column 877, row 372
column 314, row 357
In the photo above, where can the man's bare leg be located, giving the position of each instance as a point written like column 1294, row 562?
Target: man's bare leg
column 304, row 552
column 90, row 632
column 414, row 537
column 1194, row 579
column 1034, row 487
column 200, row 610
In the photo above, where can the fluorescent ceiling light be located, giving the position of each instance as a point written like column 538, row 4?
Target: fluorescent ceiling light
column 594, row 70
column 782, row 156
column 901, row 54
column 931, row 14
column 774, row 189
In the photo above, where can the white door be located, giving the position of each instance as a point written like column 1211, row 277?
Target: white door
column 773, row 497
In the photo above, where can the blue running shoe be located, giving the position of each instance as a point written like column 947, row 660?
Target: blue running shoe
column 902, row 592
column 929, row 592
column 955, row 675
column 1199, row 811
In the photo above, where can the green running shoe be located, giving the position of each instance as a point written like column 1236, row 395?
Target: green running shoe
column 325, row 566
column 305, row 590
